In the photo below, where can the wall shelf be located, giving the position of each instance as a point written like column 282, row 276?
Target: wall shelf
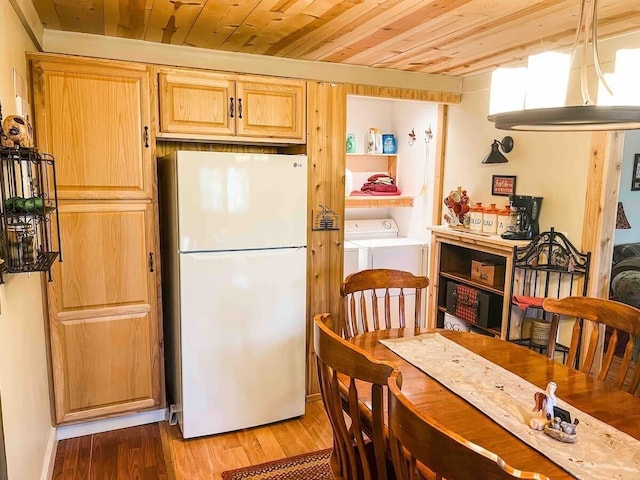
column 371, row 201
column 371, row 163
column 29, row 202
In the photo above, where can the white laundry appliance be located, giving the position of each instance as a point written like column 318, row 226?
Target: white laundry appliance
column 379, row 245
column 234, row 287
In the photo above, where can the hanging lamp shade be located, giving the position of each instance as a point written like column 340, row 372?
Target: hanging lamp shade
column 586, row 117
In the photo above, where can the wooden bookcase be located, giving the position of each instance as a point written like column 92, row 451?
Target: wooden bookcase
column 452, row 251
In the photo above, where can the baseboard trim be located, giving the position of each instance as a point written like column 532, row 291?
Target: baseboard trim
column 113, row 423
column 49, row 456
column 313, row 397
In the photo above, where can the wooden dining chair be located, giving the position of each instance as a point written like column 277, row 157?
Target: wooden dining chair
column 364, row 291
column 619, row 316
column 358, row 453
column 416, row 442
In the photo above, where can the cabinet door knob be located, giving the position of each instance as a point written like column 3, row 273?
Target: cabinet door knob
column 146, row 136
column 232, row 108
column 150, row 262
column 239, row 108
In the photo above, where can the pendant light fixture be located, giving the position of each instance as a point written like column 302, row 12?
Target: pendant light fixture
column 586, row 117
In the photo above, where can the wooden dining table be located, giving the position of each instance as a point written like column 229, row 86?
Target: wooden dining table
column 619, row 409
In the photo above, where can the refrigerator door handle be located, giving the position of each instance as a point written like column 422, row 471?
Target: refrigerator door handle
column 151, row 262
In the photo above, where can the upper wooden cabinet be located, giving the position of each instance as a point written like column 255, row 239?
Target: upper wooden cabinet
column 94, row 117
column 201, row 105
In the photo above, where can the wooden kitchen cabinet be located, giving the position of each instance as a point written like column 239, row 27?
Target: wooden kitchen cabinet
column 94, row 117
column 201, row 105
column 105, row 329
column 103, row 312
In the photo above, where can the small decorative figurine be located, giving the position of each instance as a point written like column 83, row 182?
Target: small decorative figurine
column 17, row 132
column 556, row 422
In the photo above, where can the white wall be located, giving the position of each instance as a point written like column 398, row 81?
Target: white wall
column 550, row 165
column 415, row 162
column 630, row 199
column 23, row 362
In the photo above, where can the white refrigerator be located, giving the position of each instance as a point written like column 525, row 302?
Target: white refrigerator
column 233, row 233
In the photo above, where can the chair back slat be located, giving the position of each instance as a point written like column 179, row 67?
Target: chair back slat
column 374, row 290
column 415, row 439
column 617, row 318
column 344, row 371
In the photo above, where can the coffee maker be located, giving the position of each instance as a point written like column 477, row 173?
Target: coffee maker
column 527, row 212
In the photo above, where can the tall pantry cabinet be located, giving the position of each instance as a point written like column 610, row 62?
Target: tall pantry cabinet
column 94, row 117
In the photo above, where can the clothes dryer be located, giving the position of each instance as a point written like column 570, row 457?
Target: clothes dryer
column 380, row 246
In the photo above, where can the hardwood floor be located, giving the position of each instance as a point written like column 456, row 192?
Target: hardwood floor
column 157, row 451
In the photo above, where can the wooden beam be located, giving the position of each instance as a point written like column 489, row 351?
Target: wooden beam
column 600, row 208
column 438, row 173
column 598, row 226
column 326, row 131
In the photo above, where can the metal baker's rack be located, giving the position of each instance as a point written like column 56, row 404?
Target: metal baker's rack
column 28, row 208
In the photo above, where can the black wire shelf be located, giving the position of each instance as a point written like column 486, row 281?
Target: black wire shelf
column 28, row 212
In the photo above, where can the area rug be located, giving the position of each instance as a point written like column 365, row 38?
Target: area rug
column 308, row 466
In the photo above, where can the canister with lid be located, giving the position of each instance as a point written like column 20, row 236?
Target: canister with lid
column 20, row 245
column 490, row 219
column 504, row 220
column 475, row 217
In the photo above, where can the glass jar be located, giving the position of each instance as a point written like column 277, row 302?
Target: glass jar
column 20, row 241
column 475, row 217
column 490, row 219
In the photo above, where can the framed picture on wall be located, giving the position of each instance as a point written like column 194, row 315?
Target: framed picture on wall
column 635, row 174
column 503, row 185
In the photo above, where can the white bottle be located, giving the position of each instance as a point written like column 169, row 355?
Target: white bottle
column 348, row 182
column 371, row 140
column 378, row 142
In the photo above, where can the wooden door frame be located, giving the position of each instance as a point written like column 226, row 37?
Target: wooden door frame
column 601, row 197
column 598, row 226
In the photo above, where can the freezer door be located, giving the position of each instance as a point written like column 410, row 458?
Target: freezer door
column 243, row 320
column 238, row 201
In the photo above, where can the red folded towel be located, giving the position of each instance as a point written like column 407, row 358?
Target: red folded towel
column 524, row 302
column 378, row 187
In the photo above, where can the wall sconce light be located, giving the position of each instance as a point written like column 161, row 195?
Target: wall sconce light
column 621, row 219
column 494, row 156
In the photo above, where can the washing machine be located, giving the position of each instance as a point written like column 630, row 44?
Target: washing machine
column 376, row 243
column 351, row 258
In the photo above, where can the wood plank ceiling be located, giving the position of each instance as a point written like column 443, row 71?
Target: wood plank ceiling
column 451, row 37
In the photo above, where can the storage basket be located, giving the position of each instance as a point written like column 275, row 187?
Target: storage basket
column 540, row 331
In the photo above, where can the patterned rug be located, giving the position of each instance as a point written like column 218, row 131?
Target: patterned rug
column 308, row 466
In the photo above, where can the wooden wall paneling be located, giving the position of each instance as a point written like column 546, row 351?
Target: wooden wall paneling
column 157, row 359
column 326, row 121
column 599, row 222
column 404, row 93
column 598, row 226
column 438, row 174
column 165, row 148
